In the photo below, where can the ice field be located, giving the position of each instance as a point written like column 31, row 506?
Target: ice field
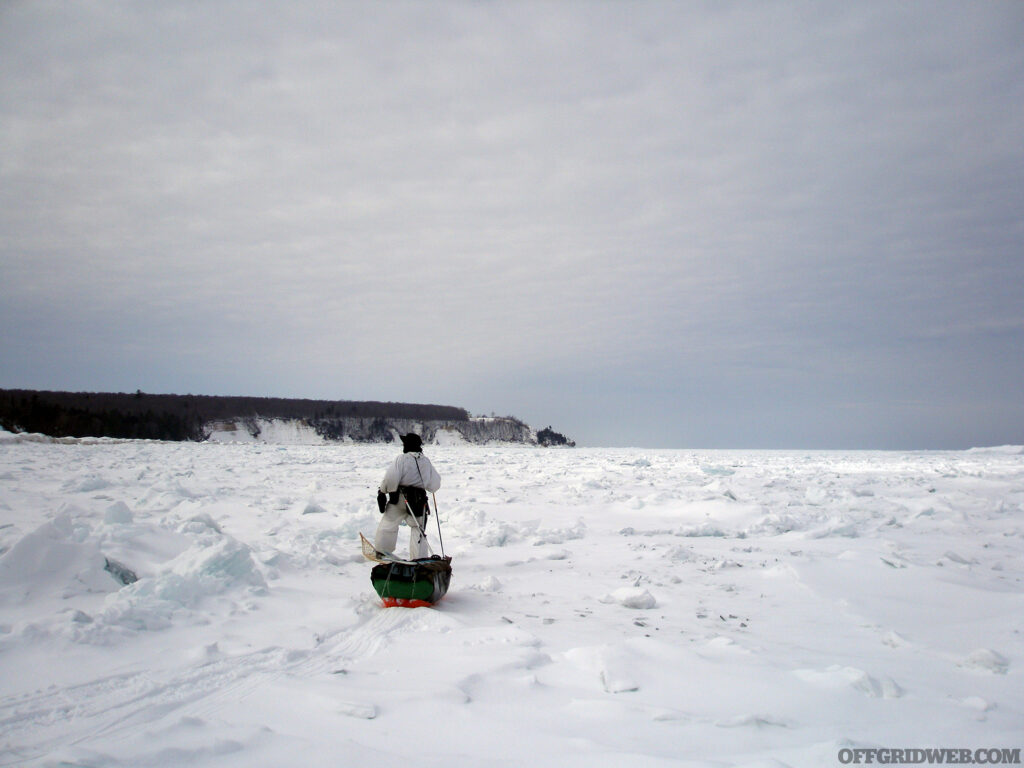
column 607, row 608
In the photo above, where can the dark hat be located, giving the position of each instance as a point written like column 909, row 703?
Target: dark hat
column 411, row 443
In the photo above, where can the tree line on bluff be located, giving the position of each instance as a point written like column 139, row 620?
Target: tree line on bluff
column 184, row 417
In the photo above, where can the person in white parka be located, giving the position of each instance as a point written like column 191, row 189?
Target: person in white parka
column 402, row 498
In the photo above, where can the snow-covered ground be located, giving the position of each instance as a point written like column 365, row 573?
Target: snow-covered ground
column 608, row 607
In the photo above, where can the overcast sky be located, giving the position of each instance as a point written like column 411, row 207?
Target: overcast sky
column 658, row 224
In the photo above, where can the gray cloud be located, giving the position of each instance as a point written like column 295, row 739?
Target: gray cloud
column 673, row 224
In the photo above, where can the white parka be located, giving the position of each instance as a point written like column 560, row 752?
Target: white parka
column 411, row 469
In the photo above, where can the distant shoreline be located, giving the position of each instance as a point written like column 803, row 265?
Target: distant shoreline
column 196, row 418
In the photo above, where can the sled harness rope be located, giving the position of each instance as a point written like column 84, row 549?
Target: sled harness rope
column 437, row 515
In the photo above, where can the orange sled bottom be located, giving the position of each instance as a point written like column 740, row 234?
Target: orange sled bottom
column 404, row 602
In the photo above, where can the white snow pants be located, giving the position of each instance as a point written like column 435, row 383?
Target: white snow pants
column 387, row 531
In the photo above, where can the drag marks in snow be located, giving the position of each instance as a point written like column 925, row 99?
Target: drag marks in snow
column 104, row 709
column 107, row 706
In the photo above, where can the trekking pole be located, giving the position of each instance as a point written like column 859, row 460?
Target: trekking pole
column 421, row 528
column 437, row 515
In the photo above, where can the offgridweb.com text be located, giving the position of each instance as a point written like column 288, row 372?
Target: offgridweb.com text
column 886, row 756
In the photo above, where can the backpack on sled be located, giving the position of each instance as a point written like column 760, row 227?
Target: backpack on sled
column 412, row 584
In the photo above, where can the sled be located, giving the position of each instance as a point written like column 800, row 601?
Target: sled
column 408, row 583
column 417, row 584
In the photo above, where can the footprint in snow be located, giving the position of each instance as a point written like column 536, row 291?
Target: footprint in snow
column 611, row 665
column 986, row 660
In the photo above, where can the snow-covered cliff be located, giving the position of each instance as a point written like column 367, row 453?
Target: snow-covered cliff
column 379, row 430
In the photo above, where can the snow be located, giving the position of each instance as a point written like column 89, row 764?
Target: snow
column 607, row 607
column 271, row 431
column 448, row 437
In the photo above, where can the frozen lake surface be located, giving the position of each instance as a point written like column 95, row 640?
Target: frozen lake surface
column 607, row 607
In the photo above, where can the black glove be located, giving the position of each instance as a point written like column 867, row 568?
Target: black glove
column 382, row 501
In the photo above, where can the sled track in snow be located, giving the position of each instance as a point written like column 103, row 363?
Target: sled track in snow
column 367, row 637
column 73, row 715
column 34, row 724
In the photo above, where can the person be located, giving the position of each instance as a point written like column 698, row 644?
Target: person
column 402, row 498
